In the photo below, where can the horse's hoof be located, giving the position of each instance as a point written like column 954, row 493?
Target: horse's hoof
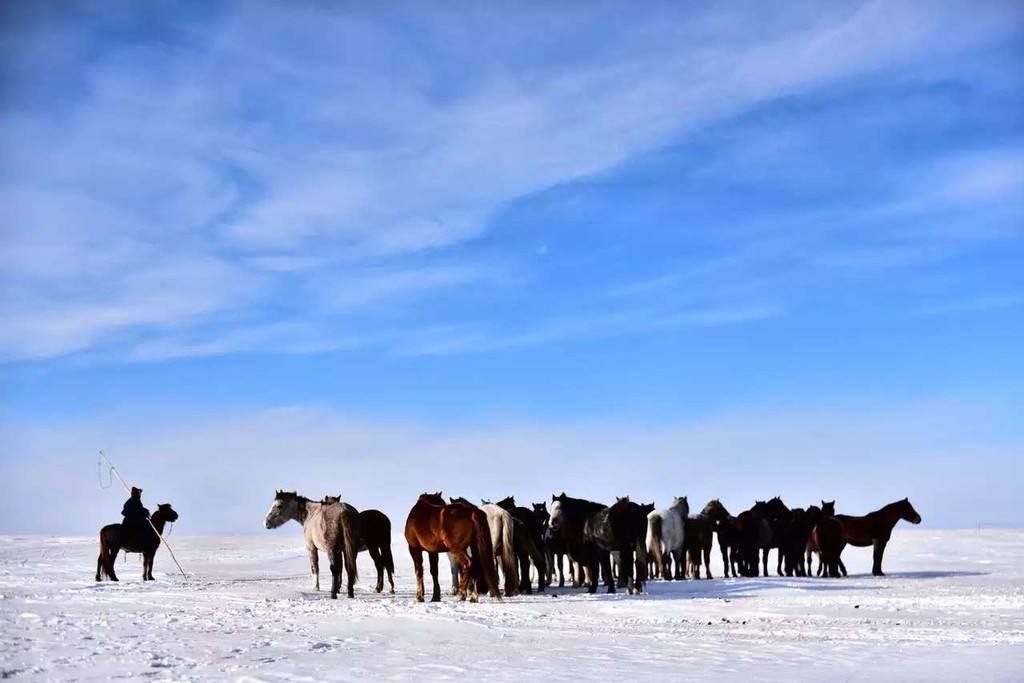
column 419, row 598
column 435, row 598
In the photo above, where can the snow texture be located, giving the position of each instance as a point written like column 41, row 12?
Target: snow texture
column 951, row 608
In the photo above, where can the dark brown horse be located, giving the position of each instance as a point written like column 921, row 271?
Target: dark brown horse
column 728, row 535
column 827, row 509
column 436, row 528
column 375, row 539
column 796, row 537
column 117, row 537
column 828, row 537
column 875, row 528
column 700, row 532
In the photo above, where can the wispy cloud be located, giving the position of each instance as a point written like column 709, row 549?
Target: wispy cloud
column 184, row 176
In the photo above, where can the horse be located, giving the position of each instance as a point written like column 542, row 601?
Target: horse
column 753, row 534
column 529, row 544
column 502, row 541
column 568, row 518
column 796, row 537
column 333, row 529
column 117, row 537
column 553, row 548
column 699, row 538
column 375, row 539
column 779, row 518
column 828, row 537
column 435, row 527
column 828, row 509
column 875, row 528
column 724, row 525
column 621, row 528
column 666, row 535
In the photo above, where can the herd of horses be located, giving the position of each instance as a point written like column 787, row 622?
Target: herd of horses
column 622, row 545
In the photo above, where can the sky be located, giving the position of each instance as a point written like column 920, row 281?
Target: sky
column 704, row 249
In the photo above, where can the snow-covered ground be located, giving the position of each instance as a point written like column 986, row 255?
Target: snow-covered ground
column 952, row 608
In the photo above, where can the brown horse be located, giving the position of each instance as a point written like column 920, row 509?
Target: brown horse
column 700, row 531
column 876, row 527
column 142, row 539
column 436, row 528
column 375, row 539
column 827, row 509
column 828, row 537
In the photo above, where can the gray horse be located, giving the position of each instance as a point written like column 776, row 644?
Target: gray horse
column 332, row 528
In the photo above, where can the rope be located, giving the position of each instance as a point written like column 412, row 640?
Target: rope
column 99, row 474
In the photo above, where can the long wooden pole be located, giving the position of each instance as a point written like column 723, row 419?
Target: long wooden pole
column 127, row 488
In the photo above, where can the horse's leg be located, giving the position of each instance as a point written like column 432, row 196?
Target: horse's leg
column 436, row 597
column 725, row 556
column 453, row 563
column 461, row 563
column 707, row 561
column 679, row 556
column 842, row 567
column 778, row 569
column 314, row 564
column 606, row 566
column 378, row 563
column 524, row 574
column 592, row 572
column 336, row 563
column 879, row 550
column 417, row 563
column 110, row 561
column 147, row 566
column 764, row 557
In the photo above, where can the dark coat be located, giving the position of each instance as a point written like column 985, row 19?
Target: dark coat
column 133, row 511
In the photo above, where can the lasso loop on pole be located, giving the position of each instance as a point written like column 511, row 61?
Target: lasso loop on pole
column 99, row 474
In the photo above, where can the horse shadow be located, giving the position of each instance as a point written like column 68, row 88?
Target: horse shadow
column 922, row 575
column 732, row 589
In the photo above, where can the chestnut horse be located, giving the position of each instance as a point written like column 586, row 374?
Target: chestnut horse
column 876, row 527
column 436, row 528
column 117, row 537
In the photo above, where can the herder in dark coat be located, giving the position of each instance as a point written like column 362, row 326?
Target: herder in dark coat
column 135, row 514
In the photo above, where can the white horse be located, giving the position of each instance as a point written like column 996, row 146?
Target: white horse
column 666, row 535
column 499, row 521
column 332, row 528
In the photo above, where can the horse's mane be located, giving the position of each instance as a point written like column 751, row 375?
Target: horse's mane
column 292, row 495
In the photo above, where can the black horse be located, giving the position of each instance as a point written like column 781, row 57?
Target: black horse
column 529, row 543
column 621, row 528
column 133, row 539
column 795, row 538
column 554, row 549
column 569, row 516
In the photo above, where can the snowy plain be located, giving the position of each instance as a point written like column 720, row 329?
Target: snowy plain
column 951, row 608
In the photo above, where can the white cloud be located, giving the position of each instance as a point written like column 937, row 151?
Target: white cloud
column 335, row 142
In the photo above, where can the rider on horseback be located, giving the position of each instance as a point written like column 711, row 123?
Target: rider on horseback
column 135, row 514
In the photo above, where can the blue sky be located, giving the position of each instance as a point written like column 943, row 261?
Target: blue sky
column 711, row 250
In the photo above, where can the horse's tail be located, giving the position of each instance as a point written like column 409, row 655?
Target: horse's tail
column 385, row 548
column 508, row 556
column 485, row 552
column 654, row 542
column 351, row 547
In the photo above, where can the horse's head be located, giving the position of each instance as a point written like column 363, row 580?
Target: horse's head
column 908, row 512
column 331, row 500
column 433, row 498
column 459, row 501
column 715, row 510
column 166, row 512
column 813, row 513
column 648, row 508
column 284, row 507
column 484, row 501
column 828, row 509
column 556, row 517
column 777, row 506
column 680, row 503
column 507, row 503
